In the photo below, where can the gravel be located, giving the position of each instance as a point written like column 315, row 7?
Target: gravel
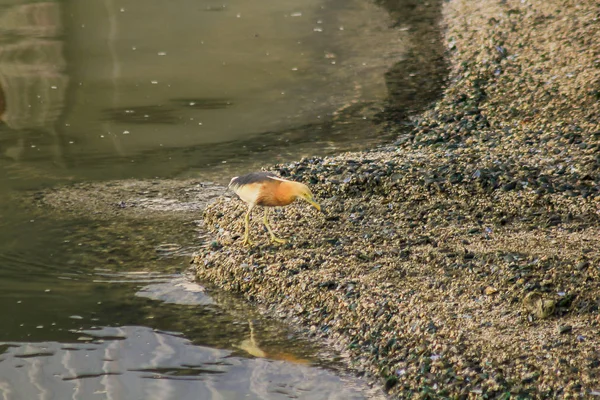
column 463, row 260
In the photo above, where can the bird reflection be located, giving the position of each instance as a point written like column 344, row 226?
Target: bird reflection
column 252, row 347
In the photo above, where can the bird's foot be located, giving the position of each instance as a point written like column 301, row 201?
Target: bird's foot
column 247, row 242
column 275, row 239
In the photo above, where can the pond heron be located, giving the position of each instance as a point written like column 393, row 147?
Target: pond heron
column 268, row 190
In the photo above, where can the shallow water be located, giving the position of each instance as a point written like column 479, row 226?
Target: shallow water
column 113, row 89
column 106, row 310
column 138, row 362
column 108, row 89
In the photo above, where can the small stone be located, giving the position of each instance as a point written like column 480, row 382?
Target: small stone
column 583, row 265
column 553, row 220
column 564, row 329
column 538, row 306
column 214, row 245
column 509, row 186
column 530, row 378
column 490, row 290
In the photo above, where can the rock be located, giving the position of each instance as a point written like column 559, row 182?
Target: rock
column 535, row 303
column 509, row 186
column 490, row 290
column 564, row 329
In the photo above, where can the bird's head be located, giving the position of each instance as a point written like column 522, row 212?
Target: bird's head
column 304, row 193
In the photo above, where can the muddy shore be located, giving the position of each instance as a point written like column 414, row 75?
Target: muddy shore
column 463, row 260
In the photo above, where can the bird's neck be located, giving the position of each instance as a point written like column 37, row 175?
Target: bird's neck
column 287, row 192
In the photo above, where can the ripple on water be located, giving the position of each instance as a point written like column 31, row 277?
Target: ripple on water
column 179, row 290
column 104, row 275
column 139, row 362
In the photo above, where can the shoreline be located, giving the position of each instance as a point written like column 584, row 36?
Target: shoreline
column 463, row 260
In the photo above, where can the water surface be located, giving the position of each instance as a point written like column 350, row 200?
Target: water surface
column 113, row 89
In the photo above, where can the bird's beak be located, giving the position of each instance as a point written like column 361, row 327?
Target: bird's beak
column 313, row 203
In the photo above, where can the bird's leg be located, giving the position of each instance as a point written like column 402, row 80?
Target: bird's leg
column 247, row 240
column 273, row 237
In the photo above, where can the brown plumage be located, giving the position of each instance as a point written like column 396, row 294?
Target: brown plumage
column 268, row 190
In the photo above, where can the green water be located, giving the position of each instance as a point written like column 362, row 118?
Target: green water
column 107, row 89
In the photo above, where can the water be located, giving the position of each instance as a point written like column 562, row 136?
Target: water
column 108, row 89
column 96, row 90
column 141, row 363
column 99, row 309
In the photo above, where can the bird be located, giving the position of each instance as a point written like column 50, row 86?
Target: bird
column 268, row 190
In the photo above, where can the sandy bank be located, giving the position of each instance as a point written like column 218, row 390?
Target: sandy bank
column 464, row 259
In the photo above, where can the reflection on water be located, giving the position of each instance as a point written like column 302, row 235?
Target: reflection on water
column 134, row 362
column 33, row 82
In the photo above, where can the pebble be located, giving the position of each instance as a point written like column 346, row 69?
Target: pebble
column 564, row 329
